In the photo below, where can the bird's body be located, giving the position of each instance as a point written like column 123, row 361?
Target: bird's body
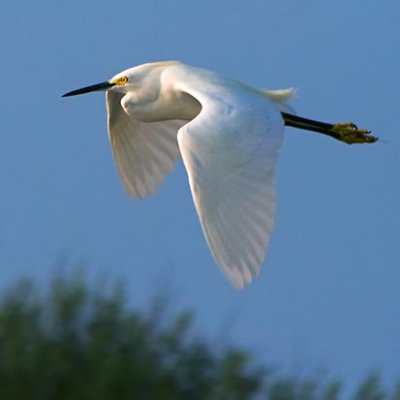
column 228, row 135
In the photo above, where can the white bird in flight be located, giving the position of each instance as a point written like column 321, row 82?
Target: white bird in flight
column 228, row 135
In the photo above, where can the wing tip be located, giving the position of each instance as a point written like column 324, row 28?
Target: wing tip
column 240, row 277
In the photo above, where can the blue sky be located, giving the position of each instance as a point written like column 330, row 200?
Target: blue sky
column 329, row 291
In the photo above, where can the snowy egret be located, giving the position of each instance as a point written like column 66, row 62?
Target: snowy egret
column 228, row 134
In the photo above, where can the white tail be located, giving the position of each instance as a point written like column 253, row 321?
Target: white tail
column 281, row 97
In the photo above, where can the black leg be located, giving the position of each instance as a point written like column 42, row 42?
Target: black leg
column 345, row 132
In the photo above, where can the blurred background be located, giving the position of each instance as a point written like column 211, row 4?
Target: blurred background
column 328, row 297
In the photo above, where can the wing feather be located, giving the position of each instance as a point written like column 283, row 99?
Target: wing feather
column 229, row 151
column 143, row 151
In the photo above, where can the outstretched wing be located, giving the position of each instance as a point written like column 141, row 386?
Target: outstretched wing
column 143, row 151
column 229, row 151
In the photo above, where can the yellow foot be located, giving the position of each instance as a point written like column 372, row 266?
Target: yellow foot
column 349, row 133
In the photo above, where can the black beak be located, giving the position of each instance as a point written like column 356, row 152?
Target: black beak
column 99, row 87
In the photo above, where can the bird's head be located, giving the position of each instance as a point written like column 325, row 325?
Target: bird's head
column 130, row 79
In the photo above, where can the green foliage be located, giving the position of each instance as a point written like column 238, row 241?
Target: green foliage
column 370, row 389
column 396, row 392
column 309, row 389
column 75, row 342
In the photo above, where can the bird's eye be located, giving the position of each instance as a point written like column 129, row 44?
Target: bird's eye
column 121, row 81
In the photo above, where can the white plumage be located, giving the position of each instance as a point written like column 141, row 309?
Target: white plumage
column 228, row 135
